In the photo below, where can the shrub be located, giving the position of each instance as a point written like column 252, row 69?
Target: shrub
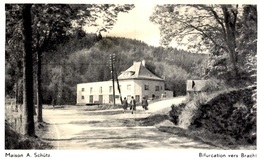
column 230, row 114
column 213, row 85
column 14, row 140
column 176, row 112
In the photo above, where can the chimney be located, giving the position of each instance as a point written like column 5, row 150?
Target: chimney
column 143, row 63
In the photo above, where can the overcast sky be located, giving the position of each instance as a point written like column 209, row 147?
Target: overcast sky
column 136, row 25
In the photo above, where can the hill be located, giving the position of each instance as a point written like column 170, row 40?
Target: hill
column 84, row 58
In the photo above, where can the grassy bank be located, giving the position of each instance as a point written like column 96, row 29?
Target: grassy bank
column 225, row 118
column 14, row 140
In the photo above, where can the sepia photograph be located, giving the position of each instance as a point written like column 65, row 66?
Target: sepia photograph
column 130, row 76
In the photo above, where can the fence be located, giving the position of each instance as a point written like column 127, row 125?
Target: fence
column 13, row 114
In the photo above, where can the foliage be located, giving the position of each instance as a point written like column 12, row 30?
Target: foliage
column 74, row 63
column 229, row 113
column 14, row 140
column 228, row 117
column 213, row 86
column 152, row 120
column 53, row 24
column 175, row 77
column 228, row 32
column 176, row 112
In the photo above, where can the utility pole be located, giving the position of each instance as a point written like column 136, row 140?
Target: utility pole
column 112, row 60
column 118, row 86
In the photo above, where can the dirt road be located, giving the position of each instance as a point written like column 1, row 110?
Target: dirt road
column 74, row 128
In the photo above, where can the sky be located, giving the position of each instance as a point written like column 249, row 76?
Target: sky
column 135, row 25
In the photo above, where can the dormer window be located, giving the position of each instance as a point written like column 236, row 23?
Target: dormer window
column 128, row 73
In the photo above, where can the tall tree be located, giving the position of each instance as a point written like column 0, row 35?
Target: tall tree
column 52, row 23
column 28, row 71
column 14, row 51
column 210, row 28
column 59, row 22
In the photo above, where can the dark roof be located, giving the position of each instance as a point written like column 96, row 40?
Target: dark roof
column 138, row 71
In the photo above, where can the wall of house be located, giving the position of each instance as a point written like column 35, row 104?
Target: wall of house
column 196, row 86
column 151, row 90
column 128, row 89
column 95, row 89
column 83, row 91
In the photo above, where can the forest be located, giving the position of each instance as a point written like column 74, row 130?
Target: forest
column 84, row 59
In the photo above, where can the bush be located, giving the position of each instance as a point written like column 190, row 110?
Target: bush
column 228, row 114
column 14, row 140
column 213, row 85
column 176, row 112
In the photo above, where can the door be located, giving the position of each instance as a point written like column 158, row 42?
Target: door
column 137, row 98
column 100, row 98
column 91, row 99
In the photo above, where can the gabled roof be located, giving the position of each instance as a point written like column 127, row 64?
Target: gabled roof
column 138, row 71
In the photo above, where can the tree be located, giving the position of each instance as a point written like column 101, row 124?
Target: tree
column 55, row 22
column 49, row 26
column 14, row 52
column 212, row 28
column 247, row 46
column 27, row 71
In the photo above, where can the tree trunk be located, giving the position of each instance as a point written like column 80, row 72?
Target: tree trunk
column 16, row 95
column 39, row 87
column 28, row 109
column 230, row 19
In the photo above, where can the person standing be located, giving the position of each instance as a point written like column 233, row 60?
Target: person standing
column 125, row 105
column 53, row 103
column 133, row 104
column 145, row 103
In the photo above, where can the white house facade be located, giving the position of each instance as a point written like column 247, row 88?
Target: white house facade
column 136, row 81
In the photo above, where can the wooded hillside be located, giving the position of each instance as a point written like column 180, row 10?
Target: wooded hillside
column 83, row 58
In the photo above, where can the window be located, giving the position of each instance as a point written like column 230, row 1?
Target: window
column 100, row 90
column 146, row 87
column 157, row 88
column 161, row 88
column 82, row 89
column 129, row 87
column 110, row 89
column 82, row 97
column 90, row 89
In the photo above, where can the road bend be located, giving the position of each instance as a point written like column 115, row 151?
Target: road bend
column 75, row 128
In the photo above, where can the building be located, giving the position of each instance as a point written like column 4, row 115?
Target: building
column 136, row 81
column 196, row 87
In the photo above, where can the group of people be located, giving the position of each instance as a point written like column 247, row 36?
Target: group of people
column 133, row 104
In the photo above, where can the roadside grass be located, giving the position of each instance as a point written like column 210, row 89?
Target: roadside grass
column 219, row 139
column 14, row 140
column 84, row 107
column 152, row 120
column 13, row 129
